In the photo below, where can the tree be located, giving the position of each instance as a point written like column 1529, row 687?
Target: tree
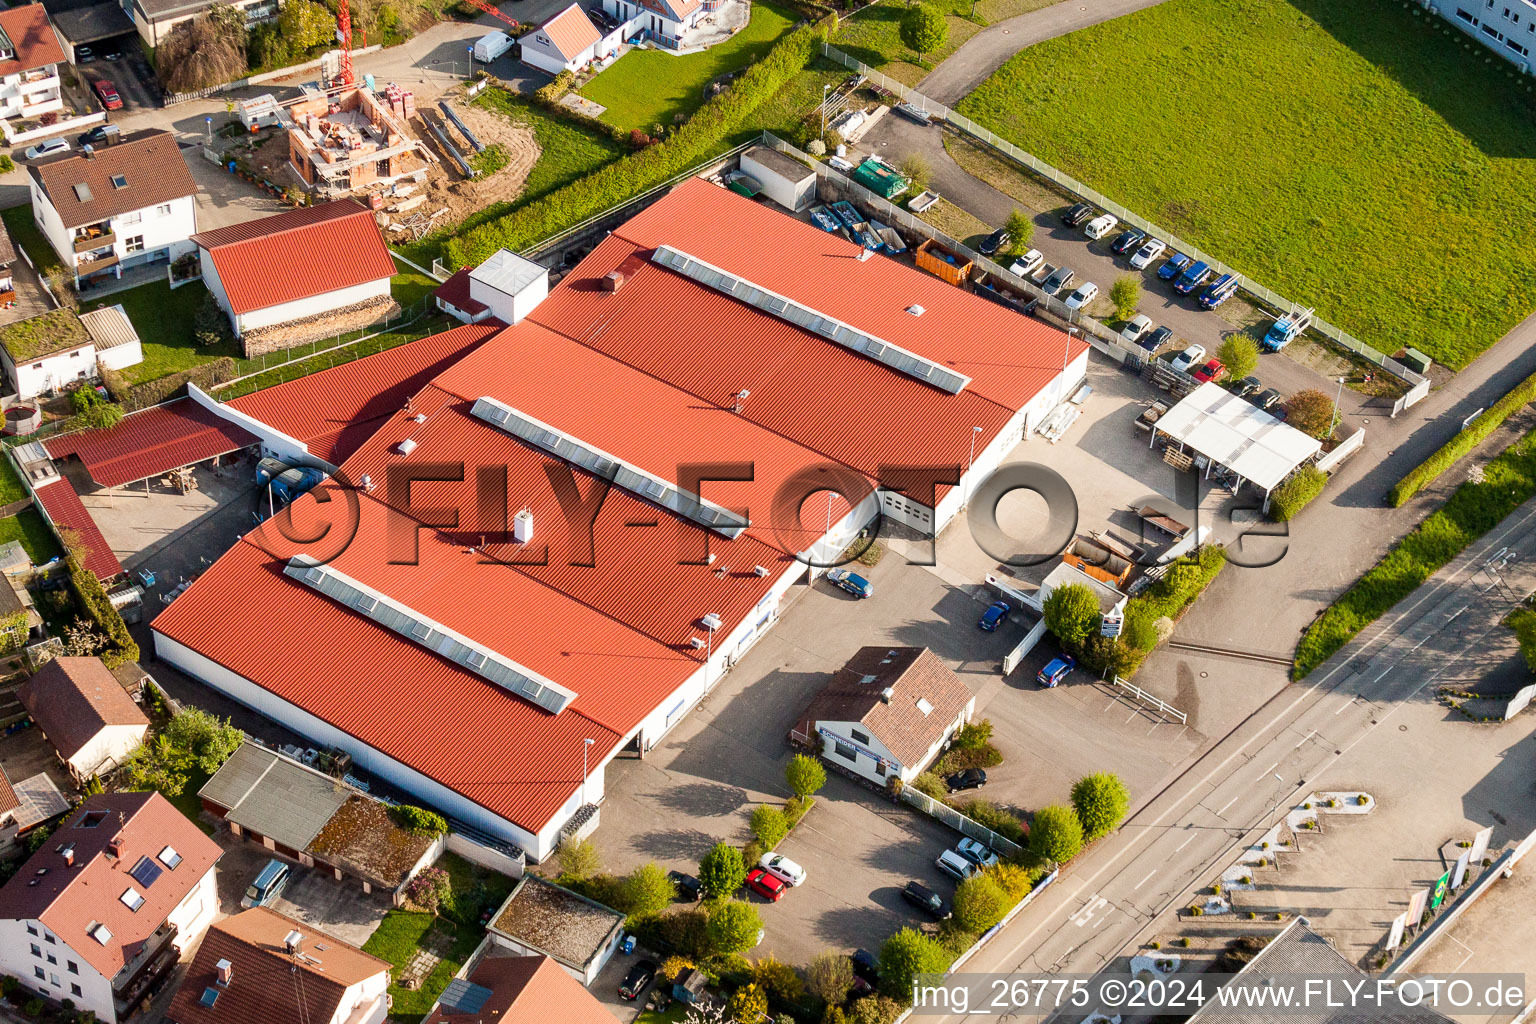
column 980, row 903
column 1056, row 834
column 778, row 979
column 1072, row 614
column 430, row 889
column 829, row 977
column 210, row 740
column 769, row 825
column 1125, row 293
column 923, row 29
column 722, row 872
column 905, row 955
column 875, row 1009
column 1239, row 354
column 209, row 324
column 1101, row 800
column 1310, row 412
column 917, row 170
column 81, row 641
column 304, row 25
column 733, row 928
column 1021, row 231
column 91, row 410
column 579, row 859
column 203, row 51
column 648, row 890
column 805, row 775
column 747, row 1005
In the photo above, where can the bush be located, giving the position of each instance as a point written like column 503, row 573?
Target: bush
column 984, row 812
column 1426, row 472
column 419, row 820
column 7, row 165
column 92, row 411
column 647, row 890
column 732, row 928
column 829, row 977
column 905, row 955
column 917, row 170
column 579, row 859
column 1125, row 293
column 91, row 598
column 1056, row 833
column 173, row 385
column 1072, row 614
column 1311, row 412
column 209, row 324
column 1186, row 579
column 980, row 903
column 747, row 1005
column 1296, row 493
column 722, row 872
column 1101, row 801
column 931, row 785
column 207, row 50
column 430, row 889
column 1021, row 231
column 923, row 29
column 769, row 826
column 778, row 979
column 1015, row 879
column 551, row 94
column 875, row 1009
column 1239, row 354
column 805, row 775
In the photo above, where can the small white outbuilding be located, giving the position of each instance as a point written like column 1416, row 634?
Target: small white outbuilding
column 784, row 179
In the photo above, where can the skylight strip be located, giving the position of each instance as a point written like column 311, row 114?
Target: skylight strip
column 424, row 632
column 633, row 479
column 846, row 335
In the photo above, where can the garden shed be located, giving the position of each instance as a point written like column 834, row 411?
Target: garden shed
column 784, row 179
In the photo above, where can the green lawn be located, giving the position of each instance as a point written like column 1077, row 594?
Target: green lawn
column 37, row 540
column 163, row 319
column 787, row 113
column 399, row 936
column 10, row 484
column 24, row 232
column 1361, row 157
column 431, row 324
column 651, row 87
column 410, row 287
column 873, row 36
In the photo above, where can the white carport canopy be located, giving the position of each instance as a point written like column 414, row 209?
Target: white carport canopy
column 1237, row 435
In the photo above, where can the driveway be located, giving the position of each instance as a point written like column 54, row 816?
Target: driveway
column 339, row 909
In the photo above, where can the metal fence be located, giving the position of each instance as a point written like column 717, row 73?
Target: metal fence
column 333, row 346
column 970, row 128
column 959, row 822
column 1162, row 707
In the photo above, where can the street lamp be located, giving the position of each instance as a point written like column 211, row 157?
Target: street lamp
column 969, row 460
column 1334, row 421
column 824, row 90
column 585, row 746
column 471, row 63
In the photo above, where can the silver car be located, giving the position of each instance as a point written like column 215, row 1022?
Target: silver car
column 1150, row 250
column 48, row 147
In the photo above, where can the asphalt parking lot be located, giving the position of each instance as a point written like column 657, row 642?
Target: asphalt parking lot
column 340, row 909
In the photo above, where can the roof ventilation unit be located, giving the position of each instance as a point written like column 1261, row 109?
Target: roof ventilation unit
column 761, row 570
column 291, row 941
column 696, row 643
column 712, row 621
column 916, row 310
column 522, row 526
column 420, row 417
column 406, row 447
column 887, row 695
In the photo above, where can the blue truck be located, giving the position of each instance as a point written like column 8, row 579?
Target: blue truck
column 1286, row 329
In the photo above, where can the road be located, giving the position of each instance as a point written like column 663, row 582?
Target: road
column 1196, row 826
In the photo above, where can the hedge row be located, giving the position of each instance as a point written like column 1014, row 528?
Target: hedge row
column 133, row 397
column 623, row 179
column 1426, row 472
column 1296, row 493
column 1471, row 511
column 93, row 600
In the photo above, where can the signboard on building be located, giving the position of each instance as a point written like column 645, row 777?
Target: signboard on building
column 1111, row 625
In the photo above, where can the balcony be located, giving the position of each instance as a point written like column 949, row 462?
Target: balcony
column 151, row 962
column 30, row 77
column 91, row 265
column 102, row 237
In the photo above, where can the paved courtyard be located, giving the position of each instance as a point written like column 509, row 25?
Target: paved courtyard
column 340, row 909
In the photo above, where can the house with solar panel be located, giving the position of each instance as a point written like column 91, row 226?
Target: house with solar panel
column 100, row 914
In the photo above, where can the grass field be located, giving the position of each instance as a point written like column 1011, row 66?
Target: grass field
column 650, row 87
column 1364, row 158
column 873, row 35
column 10, row 484
column 36, row 539
column 399, row 935
column 24, row 232
column 409, row 287
column 163, row 319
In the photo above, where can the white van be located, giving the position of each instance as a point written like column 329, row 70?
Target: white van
column 956, row 866
column 1100, row 226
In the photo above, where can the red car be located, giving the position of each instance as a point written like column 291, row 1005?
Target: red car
column 1212, row 370
column 769, row 887
column 107, row 93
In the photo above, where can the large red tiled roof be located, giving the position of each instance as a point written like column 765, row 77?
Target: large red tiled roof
column 153, row 441
column 66, row 511
column 73, row 699
column 71, row 899
column 571, row 31
column 297, row 255
column 31, row 33
column 526, row 990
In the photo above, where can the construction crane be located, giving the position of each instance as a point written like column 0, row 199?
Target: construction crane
column 344, row 35
column 490, row 9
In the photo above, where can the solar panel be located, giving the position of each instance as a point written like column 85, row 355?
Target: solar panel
column 145, row 872
column 464, row 996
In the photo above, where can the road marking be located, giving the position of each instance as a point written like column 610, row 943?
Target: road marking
column 1304, row 739
column 1229, row 803
column 1085, row 915
column 1271, row 768
column 1186, row 842
column 1347, row 705
column 1143, row 882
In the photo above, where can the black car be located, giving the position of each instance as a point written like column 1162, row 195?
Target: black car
column 98, row 136
column 995, row 241
column 639, row 976
column 1267, row 399
column 1076, row 214
column 1157, row 339
column 1247, row 386
column 865, row 966
column 688, row 888
column 1060, row 278
column 1126, row 241
column 926, row 900
column 970, row 778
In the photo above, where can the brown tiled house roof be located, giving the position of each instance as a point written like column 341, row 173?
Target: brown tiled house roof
column 148, row 162
column 73, row 699
column 524, row 990
column 913, row 675
column 33, row 38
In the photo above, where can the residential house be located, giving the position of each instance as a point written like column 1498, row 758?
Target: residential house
column 123, row 205
column 30, row 54
column 1507, row 27
column 46, row 352
column 7, row 257
column 662, row 21
column 887, row 712
column 85, row 713
column 499, row 989
column 298, row 269
column 99, row 915
column 540, row 918
column 154, row 19
column 567, row 42
column 10, row 803
column 261, row 967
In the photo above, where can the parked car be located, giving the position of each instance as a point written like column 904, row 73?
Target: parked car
column 1126, row 241
column 769, row 887
column 1140, row 324
column 639, row 976
column 84, row 55
column 966, row 778
column 1268, row 398
column 107, row 93
column 112, row 54
column 689, row 890
column 995, row 615
column 1028, row 263
column 1189, row 357
column 1218, row 291
column 866, row 967
column 1247, row 386
column 1057, row 670
column 852, row 582
column 956, row 866
column 1085, row 293
column 1209, row 371
column 1157, row 339
column 1147, row 253
column 1195, row 275
column 995, row 241
column 1172, row 267
column 1101, row 225
column 269, row 885
column 777, row 864
column 1076, row 214
column 1059, row 278
column 48, row 147
column 100, row 135
column 926, row 900
column 977, row 852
